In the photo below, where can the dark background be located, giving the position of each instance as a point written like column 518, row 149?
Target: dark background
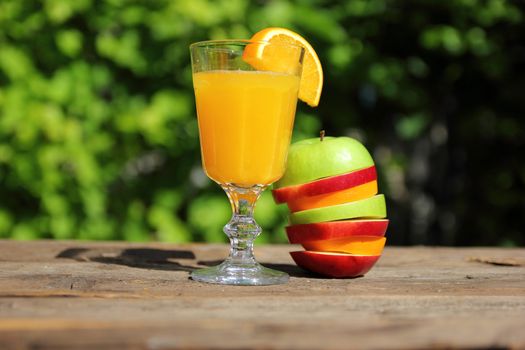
column 98, row 135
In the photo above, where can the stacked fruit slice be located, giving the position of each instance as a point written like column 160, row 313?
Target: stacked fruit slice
column 330, row 187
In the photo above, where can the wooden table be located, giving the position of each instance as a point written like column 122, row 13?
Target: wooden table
column 138, row 296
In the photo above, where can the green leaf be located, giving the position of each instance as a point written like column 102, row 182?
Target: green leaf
column 69, row 42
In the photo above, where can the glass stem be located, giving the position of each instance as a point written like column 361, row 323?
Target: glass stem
column 242, row 228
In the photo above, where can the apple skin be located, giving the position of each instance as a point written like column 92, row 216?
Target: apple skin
column 338, row 265
column 326, row 185
column 313, row 159
column 298, row 234
column 373, row 207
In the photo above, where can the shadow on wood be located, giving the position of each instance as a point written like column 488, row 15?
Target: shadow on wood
column 145, row 258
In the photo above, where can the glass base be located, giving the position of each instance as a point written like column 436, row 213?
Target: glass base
column 242, row 275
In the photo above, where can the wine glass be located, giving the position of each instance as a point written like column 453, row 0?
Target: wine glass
column 246, row 99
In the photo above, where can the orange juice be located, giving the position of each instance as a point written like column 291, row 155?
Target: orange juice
column 245, row 124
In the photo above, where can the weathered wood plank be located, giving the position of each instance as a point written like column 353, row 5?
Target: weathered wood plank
column 120, row 295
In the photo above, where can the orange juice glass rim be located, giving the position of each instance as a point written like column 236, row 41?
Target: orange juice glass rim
column 241, row 42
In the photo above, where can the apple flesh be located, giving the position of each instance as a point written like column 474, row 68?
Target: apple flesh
column 326, row 185
column 298, row 234
column 338, row 265
column 363, row 191
column 313, row 159
column 373, row 207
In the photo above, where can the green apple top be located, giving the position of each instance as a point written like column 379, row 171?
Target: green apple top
column 313, row 159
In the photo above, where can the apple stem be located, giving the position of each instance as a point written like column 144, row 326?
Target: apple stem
column 321, row 134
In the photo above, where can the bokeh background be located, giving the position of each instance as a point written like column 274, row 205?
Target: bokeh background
column 99, row 140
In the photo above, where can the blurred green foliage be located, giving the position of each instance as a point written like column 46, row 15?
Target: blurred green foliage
column 98, row 135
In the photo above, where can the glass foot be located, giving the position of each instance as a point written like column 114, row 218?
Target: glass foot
column 242, row 275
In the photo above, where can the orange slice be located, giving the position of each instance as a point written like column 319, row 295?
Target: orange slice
column 263, row 58
column 360, row 245
column 351, row 194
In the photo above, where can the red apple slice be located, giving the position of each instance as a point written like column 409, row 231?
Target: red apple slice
column 337, row 265
column 298, row 234
column 326, row 185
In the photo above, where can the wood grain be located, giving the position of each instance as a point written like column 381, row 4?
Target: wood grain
column 78, row 295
